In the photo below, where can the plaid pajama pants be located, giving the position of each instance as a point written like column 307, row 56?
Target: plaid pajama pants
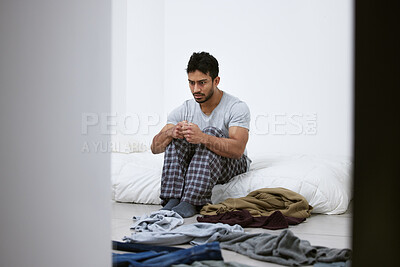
column 191, row 171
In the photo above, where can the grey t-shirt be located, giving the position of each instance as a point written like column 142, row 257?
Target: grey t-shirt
column 231, row 111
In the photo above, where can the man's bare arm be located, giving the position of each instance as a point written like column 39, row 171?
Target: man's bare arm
column 232, row 147
column 165, row 136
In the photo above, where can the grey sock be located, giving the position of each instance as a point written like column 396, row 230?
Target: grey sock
column 170, row 204
column 185, row 209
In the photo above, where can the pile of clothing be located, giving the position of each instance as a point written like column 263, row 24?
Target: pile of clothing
column 221, row 226
column 268, row 208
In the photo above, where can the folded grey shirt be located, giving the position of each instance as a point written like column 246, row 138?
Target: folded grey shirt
column 285, row 248
column 157, row 221
column 195, row 234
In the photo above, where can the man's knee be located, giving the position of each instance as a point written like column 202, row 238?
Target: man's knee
column 180, row 146
column 178, row 143
column 213, row 131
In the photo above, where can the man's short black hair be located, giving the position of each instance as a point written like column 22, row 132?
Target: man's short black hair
column 205, row 63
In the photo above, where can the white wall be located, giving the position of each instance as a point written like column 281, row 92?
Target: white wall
column 54, row 199
column 281, row 57
column 119, row 56
column 138, row 70
column 291, row 61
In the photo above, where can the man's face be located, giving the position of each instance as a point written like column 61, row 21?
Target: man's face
column 201, row 85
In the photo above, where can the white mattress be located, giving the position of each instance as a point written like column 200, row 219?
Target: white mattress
column 325, row 181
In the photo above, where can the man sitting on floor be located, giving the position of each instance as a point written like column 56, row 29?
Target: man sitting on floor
column 204, row 140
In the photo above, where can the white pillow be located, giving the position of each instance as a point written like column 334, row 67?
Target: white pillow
column 324, row 181
column 136, row 177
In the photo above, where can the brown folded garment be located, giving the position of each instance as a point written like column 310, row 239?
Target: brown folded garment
column 263, row 202
column 243, row 218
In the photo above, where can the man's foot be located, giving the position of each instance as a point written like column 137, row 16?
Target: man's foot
column 185, row 209
column 171, row 203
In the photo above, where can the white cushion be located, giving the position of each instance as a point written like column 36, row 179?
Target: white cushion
column 325, row 181
column 136, row 177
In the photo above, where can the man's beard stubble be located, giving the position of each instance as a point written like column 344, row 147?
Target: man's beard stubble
column 207, row 97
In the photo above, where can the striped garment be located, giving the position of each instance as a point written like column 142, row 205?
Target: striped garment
column 191, row 170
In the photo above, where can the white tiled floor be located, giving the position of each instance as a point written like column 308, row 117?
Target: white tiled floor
column 323, row 230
